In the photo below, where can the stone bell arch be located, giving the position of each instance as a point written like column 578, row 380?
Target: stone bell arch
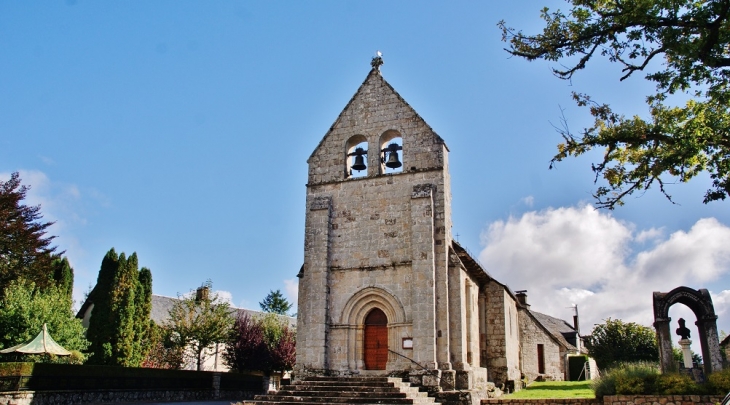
column 700, row 302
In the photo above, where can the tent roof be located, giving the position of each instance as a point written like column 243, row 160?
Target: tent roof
column 43, row 343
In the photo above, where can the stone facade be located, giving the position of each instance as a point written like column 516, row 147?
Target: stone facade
column 376, row 241
column 501, row 340
column 382, row 240
column 552, row 355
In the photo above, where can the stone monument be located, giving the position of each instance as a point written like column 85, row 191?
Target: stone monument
column 700, row 302
column 685, row 343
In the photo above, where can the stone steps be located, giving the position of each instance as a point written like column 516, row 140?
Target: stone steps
column 322, row 388
column 345, row 390
column 391, row 392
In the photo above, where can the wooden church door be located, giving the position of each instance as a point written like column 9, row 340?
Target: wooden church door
column 376, row 340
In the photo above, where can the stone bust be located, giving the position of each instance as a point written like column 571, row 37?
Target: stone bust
column 683, row 331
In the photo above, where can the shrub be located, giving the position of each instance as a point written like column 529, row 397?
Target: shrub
column 627, row 378
column 719, row 382
column 644, row 379
column 265, row 344
column 603, row 386
column 615, row 342
column 76, row 357
column 630, row 384
column 677, row 384
column 17, row 368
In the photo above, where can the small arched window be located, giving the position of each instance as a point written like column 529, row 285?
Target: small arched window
column 391, row 152
column 356, row 157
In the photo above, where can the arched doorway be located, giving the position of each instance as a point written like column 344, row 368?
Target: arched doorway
column 376, row 340
column 700, row 302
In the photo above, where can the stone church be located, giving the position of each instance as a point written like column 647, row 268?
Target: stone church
column 385, row 288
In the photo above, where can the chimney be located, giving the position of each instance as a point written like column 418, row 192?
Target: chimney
column 202, row 294
column 522, row 298
column 576, row 325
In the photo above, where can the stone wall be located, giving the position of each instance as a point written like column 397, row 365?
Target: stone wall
column 615, row 400
column 115, row 396
column 373, row 243
column 464, row 327
column 459, row 322
column 532, row 335
column 375, row 109
column 500, row 343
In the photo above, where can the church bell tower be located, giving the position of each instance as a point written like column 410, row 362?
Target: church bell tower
column 373, row 291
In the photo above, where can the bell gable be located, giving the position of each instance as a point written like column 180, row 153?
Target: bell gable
column 378, row 133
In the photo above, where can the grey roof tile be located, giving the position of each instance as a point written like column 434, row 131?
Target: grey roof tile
column 556, row 326
column 161, row 306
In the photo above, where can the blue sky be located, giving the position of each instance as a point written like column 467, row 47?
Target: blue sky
column 180, row 130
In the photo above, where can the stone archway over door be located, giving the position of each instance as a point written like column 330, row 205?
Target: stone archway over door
column 376, row 340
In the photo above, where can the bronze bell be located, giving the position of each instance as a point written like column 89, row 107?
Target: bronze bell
column 359, row 160
column 393, row 161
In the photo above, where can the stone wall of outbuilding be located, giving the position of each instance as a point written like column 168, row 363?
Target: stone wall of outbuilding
column 532, row 335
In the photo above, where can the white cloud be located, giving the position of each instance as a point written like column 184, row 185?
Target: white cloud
column 528, row 201
column 552, row 247
column 582, row 256
column 291, row 288
column 48, row 161
column 721, row 301
column 652, row 234
column 60, row 203
column 224, row 296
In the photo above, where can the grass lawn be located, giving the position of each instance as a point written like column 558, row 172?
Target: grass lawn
column 554, row 389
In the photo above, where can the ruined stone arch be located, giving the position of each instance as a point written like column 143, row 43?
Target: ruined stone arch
column 700, row 302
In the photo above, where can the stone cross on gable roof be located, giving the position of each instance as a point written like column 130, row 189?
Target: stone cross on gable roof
column 377, row 61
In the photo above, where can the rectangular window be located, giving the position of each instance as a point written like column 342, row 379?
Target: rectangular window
column 540, row 359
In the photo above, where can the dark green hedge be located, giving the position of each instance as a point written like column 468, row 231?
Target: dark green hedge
column 44, row 376
column 242, row 382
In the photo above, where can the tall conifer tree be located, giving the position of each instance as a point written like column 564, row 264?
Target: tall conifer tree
column 119, row 322
column 275, row 303
column 63, row 274
column 101, row 325
column 123, row 304
column 142, row 322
